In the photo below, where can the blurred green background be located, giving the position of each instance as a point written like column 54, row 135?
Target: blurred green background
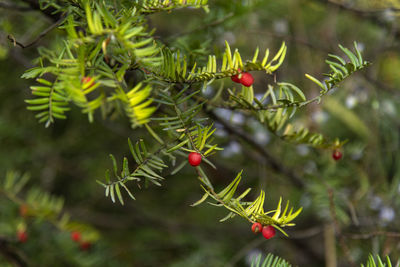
column 160, row 228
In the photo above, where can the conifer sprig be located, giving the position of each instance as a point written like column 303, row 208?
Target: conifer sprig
column 175, row 67
column 152, row 6
column 148, row 167
column 378, row 262
column 269, row 261
column 192, row 133
column 51, row 102
column 251, row 211
column 106, row 41
column 42, row 205
column 283, row 101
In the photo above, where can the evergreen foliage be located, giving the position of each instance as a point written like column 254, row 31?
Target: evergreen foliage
column 378, row 262
column 41, row 205
column 109, row 63
column 269, row 261
column 91, row 71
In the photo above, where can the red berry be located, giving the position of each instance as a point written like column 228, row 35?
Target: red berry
column 76, row 236
column 85, row 245
column 256, row 227
column 235, row 78
column 336, row 155
column 88, row 80
column 194, row 158
column 23, row 210
column 22, row 236
column 268, row 232
column 247, row 79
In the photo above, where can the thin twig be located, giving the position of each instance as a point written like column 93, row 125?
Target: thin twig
column 373, row 234
column 371, row 15
column 342, row 241
column 38, row 38
column 271, row 161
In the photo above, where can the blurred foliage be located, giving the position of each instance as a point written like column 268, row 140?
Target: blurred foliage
column 160, row 227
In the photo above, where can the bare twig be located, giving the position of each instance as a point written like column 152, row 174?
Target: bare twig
column 330, row 245
column 271, row 161
column 372, row 15
column 37, row 39
column 342, row 241
column 244, row 250
column 373, row 234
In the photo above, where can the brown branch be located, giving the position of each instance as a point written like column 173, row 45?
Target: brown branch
column 271, row 161
column 372, row 15
column 373, row 234
column 342, row 241
column 203, row 27
column 330, row 245
column 38, row 38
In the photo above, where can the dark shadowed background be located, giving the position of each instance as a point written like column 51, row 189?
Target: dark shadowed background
column 160, row 228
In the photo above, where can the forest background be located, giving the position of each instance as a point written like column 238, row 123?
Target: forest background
column 352, row 201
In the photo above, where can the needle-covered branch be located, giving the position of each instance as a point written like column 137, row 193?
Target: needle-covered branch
column 251, row 211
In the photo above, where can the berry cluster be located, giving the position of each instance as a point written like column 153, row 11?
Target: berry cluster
column 22, row 234
column 244, row 78
column 76, row 237
column 267, row 231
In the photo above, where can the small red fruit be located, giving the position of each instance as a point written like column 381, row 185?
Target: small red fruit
column 235, row 78
column 256, row 228
column 85, row 245
column 76, row 236
column 268, row 232
column 194, row 158
column 87, row 81
column 22, row 236
column 23, row 210
column 247, row 79
column 336, row 155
